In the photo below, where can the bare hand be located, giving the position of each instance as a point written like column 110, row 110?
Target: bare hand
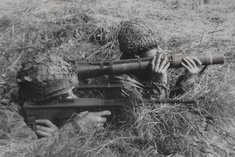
column 192, row 65
column 159, row 68
column 45, row 128
column 89, row 121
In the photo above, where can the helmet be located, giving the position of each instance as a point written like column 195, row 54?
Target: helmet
column 135, row 37
column 44, row 77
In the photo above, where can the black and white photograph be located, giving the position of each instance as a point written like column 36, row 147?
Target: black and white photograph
column 117, row 78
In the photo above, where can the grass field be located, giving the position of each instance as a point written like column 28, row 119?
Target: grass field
column 87, row 30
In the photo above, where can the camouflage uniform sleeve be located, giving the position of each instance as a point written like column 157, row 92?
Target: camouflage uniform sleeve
column 72, row 127
column 135, row 91
column 159, row 89
column 12, row 125
column 132, row 88
column 184, row 83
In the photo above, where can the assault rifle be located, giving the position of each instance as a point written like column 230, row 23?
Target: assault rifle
column 62, row 109
column 59, row 110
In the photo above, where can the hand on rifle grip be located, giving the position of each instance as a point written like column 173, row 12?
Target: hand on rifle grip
column 46, row 128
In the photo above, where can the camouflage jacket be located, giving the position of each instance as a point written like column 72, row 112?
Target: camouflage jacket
column 12, row 125
column 139, row 86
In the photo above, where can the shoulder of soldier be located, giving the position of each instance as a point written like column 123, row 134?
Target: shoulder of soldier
column 9, row 98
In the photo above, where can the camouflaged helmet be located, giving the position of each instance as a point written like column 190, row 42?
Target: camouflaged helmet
column 136, row 37
column 45, row 77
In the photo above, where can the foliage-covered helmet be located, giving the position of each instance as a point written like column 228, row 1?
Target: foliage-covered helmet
column 44, row 77
column 136, row 36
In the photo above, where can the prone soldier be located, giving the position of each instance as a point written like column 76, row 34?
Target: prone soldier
column 137, row 40
column 47, row 78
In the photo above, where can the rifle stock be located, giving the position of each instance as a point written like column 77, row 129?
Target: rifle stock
column 94, row 69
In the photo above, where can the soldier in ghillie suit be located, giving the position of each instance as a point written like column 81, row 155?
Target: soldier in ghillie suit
column 46, row 78
column 137, row 40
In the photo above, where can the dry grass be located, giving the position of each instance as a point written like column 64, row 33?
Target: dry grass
column 78, row 29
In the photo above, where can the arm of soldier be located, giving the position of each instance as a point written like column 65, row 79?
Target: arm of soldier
column 13, row 126
column 132, row 88
column 190, row 78
column 159, row 66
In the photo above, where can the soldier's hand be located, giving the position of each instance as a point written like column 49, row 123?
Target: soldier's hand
column 159, row 67
column 90, row 121
column 45, row 128
column 192, row 65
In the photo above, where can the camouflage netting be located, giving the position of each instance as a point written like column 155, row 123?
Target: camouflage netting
column 45, row 77
column 136, row 36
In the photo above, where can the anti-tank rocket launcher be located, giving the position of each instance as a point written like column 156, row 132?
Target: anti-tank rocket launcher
column 132, row 66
